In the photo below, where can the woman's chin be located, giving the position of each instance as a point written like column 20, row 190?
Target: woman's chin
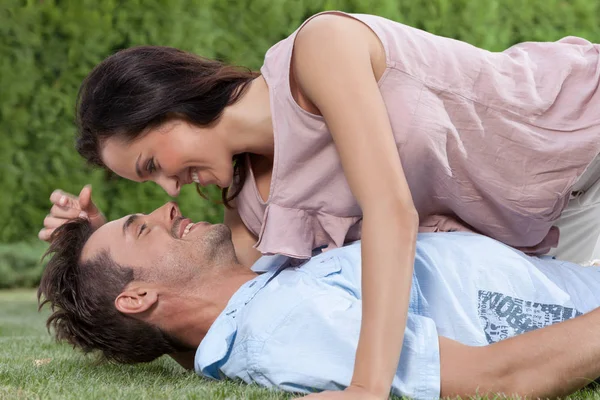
column 223, row 185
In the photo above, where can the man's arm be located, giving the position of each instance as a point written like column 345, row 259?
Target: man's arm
column 315, row 346
column 319, row 353
column 549, row 362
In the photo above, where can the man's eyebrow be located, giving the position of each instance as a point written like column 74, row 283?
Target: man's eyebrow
column 128, row 222
column 138, row 171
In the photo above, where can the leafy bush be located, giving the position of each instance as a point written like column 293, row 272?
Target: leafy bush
column 20, row 264
column 47, row 47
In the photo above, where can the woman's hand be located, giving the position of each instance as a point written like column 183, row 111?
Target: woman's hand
column 66, row 207
column 351, row 393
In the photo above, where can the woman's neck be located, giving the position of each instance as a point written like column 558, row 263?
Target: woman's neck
column 248, row 122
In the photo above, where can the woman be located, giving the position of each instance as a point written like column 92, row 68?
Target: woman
column 357, row 127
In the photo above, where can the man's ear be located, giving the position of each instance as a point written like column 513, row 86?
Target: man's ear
column 136, row 299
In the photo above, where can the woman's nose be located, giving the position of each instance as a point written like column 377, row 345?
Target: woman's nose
column 170, row 185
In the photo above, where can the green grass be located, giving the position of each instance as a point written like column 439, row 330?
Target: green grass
column 70, row 375
column 33, row 366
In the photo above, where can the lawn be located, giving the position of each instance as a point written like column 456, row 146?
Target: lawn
column 33, row 366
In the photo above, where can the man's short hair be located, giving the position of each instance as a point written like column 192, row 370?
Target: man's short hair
column 81, row 295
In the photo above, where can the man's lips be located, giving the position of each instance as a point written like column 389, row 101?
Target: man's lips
column 180, row 228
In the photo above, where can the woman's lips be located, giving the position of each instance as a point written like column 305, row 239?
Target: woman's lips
column 195, row 176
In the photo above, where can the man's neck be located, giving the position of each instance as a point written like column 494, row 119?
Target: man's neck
column 191, row 313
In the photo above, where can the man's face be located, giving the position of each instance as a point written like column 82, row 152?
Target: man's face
column 162, row 246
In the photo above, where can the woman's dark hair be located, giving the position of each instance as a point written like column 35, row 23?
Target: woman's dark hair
column 81, row 295
column 142, row 87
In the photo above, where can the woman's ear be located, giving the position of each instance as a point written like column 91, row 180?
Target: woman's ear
column 135, row 300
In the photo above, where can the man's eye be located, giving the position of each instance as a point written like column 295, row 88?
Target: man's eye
column 142, row 229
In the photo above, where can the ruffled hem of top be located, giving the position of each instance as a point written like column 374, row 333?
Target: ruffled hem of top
column 296, row 233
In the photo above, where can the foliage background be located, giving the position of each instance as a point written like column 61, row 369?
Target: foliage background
column 48, row 46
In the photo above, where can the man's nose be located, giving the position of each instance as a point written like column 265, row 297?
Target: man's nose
column 171, row 185
column 166, row 213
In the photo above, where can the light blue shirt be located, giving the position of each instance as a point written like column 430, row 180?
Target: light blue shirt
column 297, row 328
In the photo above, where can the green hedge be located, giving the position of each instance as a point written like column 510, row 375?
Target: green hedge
column 47, row 47
column 20, row 264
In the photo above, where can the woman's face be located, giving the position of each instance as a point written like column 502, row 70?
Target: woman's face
column 174, row 154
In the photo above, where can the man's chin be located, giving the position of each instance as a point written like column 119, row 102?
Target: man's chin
column 218, row 241
column 221, row 231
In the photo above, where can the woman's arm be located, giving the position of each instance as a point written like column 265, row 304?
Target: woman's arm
column 333, row 66
column 243, row 239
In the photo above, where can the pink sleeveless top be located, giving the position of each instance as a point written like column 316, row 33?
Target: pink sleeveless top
column 489, row 142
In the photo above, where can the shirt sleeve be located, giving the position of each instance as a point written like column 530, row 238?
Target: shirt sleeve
column 313, row 349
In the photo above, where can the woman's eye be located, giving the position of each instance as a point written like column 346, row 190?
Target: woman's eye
column 151, row 167
column 142, row 229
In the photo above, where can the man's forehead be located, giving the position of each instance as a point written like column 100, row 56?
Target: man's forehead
column 105, row 237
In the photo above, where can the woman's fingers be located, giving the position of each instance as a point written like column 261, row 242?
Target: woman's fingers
column 51, row 222
column 65, row 207
column 85, row 198
column 86, row 203
column 64, row 199
column 45, row 234
column 66, row 213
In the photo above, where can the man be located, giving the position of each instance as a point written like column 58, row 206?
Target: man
column 147, row 285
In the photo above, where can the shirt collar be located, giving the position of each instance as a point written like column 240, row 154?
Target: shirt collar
column 216, row 344
column 268, row 263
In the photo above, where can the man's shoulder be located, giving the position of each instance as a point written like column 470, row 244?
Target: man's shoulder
column 237, row 336
column 457, row 246
column 245, row 324
column 345, row 260
column 285, row 291
column 292, row 289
